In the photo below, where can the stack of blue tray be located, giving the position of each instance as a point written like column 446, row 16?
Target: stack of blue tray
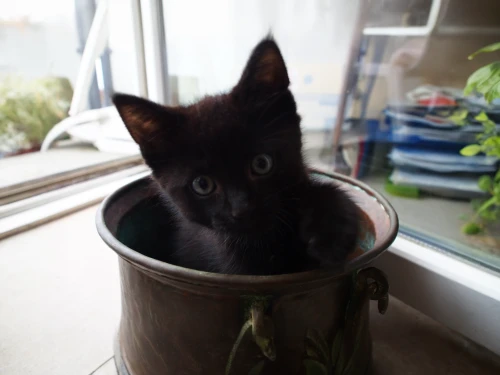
column 427, row 144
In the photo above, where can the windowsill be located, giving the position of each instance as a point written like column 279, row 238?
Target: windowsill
column 440, row 218
column 31, row 174
column 35, row 165
column 61, row 293
column 456, row 293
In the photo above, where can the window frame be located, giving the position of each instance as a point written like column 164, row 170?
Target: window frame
column 28, row 194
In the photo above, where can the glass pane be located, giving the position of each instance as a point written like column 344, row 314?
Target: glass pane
column 408, row 121
column 406, row 118
column 41, row 44
column 315, row 49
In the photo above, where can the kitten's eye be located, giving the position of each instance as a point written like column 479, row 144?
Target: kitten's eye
column 262, row 164
column 203, row 185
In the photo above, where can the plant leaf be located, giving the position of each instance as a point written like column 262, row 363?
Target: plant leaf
column 496, row 192
column 314, row 367
column 478, row 76
column 488, row 48
column 257, row 369
column 489, row 215
column 485, row 183
column 471, row 229
column 497, row 176
column 470, row 150
column 491, row 145
column 314, row 339
column 459, row 116
column 493, row 92
column 482, row 116
column 483, row 79
column 312, row 351
column 337, row 346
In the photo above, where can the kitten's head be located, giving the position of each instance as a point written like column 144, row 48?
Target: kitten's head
column 232, row 161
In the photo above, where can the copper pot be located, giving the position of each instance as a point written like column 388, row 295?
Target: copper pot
column 178, row 321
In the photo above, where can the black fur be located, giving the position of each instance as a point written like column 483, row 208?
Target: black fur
column 285, row 222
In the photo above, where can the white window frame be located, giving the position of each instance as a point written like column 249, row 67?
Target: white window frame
column 453, row 291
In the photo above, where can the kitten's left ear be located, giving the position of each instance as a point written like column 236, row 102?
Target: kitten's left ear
column 265, row 70
column 149, row 124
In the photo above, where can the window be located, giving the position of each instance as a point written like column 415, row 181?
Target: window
column 408, row 121
column 59, row 133
column 60, row 63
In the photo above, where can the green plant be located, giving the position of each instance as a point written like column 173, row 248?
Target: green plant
column 29, row 109
column 486, row 81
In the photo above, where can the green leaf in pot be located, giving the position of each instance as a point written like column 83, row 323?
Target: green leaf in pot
column 314, row 367
column 471, row 229
column 483, row 80
column 489, row 48
column 470, row 150
column 485, row 183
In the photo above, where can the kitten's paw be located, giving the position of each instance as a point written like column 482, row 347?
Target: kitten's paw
column 330, row 227
column 331, row 248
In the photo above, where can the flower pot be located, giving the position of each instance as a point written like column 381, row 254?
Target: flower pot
column 181, row 321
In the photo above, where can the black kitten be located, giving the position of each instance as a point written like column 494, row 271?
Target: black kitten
column 231, row 169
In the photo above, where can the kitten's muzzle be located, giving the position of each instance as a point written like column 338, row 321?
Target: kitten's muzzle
column 240, row 203
column 241, row 210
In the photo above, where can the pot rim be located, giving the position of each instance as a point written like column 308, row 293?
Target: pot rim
column 192, row 276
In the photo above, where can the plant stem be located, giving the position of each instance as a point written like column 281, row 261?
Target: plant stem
column 484, row 206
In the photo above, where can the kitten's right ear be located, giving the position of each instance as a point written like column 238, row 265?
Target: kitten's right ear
column 265, row 70
column 147, row 122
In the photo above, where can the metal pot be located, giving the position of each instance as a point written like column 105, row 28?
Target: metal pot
column 182, row 321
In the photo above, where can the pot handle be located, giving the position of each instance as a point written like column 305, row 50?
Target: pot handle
column 373, row 282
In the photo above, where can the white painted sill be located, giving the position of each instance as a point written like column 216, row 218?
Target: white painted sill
column 459, row 294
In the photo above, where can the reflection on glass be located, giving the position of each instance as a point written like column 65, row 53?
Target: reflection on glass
column 412, row 132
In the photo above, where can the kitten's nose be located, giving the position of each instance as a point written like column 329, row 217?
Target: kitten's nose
column 240, row 203
column 240, row 210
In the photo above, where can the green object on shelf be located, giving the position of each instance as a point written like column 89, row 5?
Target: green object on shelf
column 406, row 191
column 30, row 108
column 471, row 229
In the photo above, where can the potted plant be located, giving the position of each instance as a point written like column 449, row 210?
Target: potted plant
column 29, row 109
column 485, row 81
